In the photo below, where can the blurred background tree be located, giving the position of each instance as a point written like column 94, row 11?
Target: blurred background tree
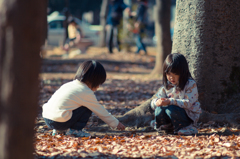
column 103, row 21
column 162, row 16
column 23, row 30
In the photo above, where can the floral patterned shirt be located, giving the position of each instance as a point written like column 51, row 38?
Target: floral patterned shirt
column 186, row 99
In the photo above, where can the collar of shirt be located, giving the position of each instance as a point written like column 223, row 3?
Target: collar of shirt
column 170, row 85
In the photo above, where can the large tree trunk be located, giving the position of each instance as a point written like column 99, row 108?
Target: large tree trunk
column 103, row 16
column 23, row 27
column 162, row 31
column 207, row 32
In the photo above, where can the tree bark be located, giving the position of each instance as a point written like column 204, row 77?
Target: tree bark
column 162, row 32
column 23, row 30
column 139, row 116
column 207, row 32
column 103, row 16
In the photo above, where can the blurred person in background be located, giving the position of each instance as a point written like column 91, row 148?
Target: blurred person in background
column 75, row 34
column 115, row 14
column 138, row 27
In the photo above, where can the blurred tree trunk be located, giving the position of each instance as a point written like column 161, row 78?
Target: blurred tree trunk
column 208, row 34
column 124, row 38
column 103, row 21
column 162, row 14
column 23, row 28
column 66, row 13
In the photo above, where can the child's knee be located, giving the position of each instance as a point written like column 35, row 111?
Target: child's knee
column 172, row 107
column 172, row 110
column 88, row 112
column 158, row 110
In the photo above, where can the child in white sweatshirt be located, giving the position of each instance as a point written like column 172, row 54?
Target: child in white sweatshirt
column 72, row 104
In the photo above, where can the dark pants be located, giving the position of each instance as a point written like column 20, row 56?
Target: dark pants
column 112, row 38
column 172, row 114
column 78, row 120
column 139, row 43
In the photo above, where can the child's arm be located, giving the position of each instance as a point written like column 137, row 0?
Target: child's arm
column 160, row 94
column 91, row 103
column 120, row 126
column 190, row 97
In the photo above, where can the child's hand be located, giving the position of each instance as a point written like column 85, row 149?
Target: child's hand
column 120, row 126
column 162, row 102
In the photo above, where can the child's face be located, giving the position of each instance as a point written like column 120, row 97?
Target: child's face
column 173, row 78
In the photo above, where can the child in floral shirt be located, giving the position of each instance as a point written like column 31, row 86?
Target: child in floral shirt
column 176, row 106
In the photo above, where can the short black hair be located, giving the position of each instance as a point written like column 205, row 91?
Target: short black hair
column 176, row 63
column 91, row 72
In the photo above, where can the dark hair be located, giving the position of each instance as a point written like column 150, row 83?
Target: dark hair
column 91, row 72
column 176, row 63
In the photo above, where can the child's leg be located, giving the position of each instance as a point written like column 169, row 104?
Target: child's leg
column 56, row 125
column 80, row 118
column 161, row 117
column 178, row 117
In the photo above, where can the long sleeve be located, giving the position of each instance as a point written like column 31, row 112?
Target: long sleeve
column 190, row 97
column 160, row 94
column 91, row 103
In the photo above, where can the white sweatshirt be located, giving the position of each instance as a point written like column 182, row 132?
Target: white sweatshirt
column 73, row 95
